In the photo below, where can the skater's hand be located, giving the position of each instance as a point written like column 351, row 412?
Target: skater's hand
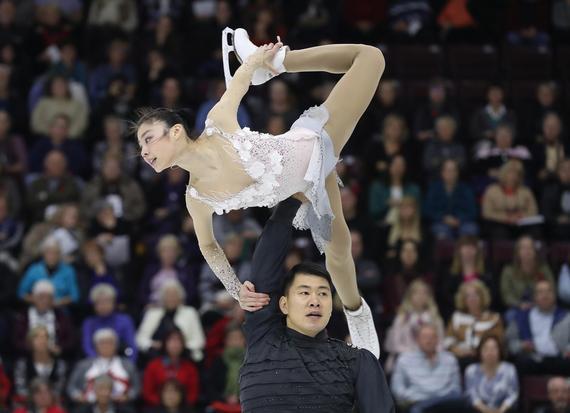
column 264, row 55
column 251, row 301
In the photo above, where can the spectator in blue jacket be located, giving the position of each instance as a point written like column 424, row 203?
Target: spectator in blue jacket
column 450, row 204
column 51, row 267
column 103, row 296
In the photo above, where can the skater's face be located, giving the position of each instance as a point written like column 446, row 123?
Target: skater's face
column 308, row 304
column 157, row 143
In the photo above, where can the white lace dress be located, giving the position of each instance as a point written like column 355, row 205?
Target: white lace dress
column 282, row 165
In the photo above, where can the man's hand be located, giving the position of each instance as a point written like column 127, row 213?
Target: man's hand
column 251, row 301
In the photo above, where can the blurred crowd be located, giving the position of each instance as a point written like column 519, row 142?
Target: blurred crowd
column 458, row 201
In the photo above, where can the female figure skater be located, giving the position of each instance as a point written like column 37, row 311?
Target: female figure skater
column 234, row 168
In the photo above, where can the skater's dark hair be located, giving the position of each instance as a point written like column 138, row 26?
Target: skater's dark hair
column 171, row 117
column 306, row 268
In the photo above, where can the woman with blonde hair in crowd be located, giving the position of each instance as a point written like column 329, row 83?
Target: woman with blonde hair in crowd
column 405, row 225
column 417, row 308
column 471, row 321
column 468, row 264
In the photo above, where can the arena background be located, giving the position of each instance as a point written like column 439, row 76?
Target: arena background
column 485, row 83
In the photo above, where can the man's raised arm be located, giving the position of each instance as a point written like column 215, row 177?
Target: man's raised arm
column 267, row 267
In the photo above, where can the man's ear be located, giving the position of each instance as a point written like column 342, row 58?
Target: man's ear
column 283, row 305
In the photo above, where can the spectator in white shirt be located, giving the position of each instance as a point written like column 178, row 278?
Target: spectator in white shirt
column 427, row 379
column 539, row 337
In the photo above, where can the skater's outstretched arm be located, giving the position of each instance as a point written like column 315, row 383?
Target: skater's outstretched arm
column 214, row 255
column 224, row 113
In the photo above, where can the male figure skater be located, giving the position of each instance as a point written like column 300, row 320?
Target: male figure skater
column 291, row 365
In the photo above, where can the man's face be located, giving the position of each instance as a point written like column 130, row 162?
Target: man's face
column 308, row 304
column 427, row 340
column 544, row 296
column 558, row 393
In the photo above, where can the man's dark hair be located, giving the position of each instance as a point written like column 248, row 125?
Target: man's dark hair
column 308, row 268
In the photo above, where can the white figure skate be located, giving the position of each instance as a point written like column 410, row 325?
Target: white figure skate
column 243, row 48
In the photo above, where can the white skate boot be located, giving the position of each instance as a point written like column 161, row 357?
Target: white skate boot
column 361, row 327
column 243, row 48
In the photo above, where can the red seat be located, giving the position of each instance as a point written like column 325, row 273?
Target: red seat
column 533, row 391
column 559, row 253
column 473, row 62
column 527, row 63
column 563, row 62
column 417, row 62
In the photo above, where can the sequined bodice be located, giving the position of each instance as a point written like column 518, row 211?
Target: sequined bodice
column 276, row 163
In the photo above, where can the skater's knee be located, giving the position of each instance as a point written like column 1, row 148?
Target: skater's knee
column 373, row 55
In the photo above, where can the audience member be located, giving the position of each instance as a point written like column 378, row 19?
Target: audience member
column 157, row 321
column 539, row 336
column 172, row 399
column 558, row 396
column 223, row 376
column 173, row 363
column 126, row 381
column 546, row 101
column 418, row 308
column 406, row 225
column 442, row 147
column 555, row 205
column 468, row 265
column 122, row 14
column 51, row 267
column 168, row 202
column 485, row 120
column 427, row 378
column 410, row 21
column 42, row 398
column 111, row 233
column 237, row 222
column 58, row 139
column 39, row 362
column 104, row 401
column 95, row 271
column 551, row 149
column 52, row 188
column 509, row 206
column 42, row 312
column 11, row 229
column 58, row 100
column 117, row 188
column 103, row 297
column 490, row 156
column 209, row 284
column 437, row 106
column 14, row 160
column 115, row 144
column 385, row 195
column 471, row 321
column 492, row 383
column 116, row 64
column 390, row 143
column 450, row 204
column 519, row 278
column 408, row 268
column 168, row 268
